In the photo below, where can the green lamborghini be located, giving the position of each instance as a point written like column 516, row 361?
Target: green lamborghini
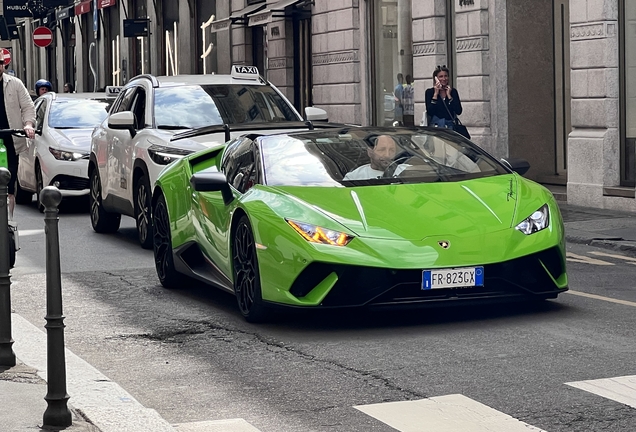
column 357, row 216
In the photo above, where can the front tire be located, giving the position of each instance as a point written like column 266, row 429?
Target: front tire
column 39, row 182
column 143, row 216
column 162, row 245
column 102, row 221
column 247, row 278
column 22, row 196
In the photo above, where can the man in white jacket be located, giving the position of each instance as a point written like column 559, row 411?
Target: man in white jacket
column 16, row 112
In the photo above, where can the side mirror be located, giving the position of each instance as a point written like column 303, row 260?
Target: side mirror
column 212, row 182
column 316, row 114
column 518, row 165
column 124, row 120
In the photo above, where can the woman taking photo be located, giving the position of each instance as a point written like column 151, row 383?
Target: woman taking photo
column 442, row 101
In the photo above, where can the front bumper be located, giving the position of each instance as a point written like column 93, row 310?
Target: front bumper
column 70, row 177
column 540, row 275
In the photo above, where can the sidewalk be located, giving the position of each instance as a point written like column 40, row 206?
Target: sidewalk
column 100, row 405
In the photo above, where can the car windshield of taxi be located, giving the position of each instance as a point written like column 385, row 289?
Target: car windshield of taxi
column 195, row 106
column 367, row 157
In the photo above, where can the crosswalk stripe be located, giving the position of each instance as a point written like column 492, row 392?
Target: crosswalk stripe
column 586, row 260
column 622, row 257
column 619, row 389
column 451, row 413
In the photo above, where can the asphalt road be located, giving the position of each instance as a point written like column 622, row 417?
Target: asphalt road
column 189, row 354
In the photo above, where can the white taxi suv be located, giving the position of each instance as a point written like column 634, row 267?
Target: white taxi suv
column 58, row 155
column 159, row 119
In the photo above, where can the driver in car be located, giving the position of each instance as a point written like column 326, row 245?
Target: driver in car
column 381, row 156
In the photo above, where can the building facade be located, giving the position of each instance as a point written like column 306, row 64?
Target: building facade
column 550, row 81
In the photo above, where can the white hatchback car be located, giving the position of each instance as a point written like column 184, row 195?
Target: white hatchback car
column 58, row 155
column 156, row 120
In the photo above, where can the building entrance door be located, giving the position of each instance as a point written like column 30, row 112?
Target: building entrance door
column 562, row 86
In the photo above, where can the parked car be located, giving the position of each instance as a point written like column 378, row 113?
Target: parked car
column 138, row 139
column 275, row 220
column 58, row 155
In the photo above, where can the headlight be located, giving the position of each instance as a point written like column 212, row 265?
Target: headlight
column 316, row 234
column 537, row 221
column 66, row 155
column 164, row 155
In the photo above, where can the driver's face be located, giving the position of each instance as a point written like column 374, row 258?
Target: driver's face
column 383, row 153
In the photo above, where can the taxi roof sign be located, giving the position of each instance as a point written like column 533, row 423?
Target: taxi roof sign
column 245, row 72
column 113, row 91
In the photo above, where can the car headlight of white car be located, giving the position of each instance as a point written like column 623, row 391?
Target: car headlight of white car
column 163, row 155
column 67, row 155
column 537, row 221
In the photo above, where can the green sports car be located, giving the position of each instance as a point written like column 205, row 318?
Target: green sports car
column 357, row 216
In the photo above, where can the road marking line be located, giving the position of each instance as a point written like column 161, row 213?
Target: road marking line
column 623, row 257
column 230, row 425
column 598, row 297
column 586, row 260
column 451, row 413
column 619, row 389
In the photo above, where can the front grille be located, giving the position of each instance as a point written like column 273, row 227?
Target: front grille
column 359, row 286
column 71, row 183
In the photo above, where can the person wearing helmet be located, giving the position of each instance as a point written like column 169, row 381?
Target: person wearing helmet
column 42, row 86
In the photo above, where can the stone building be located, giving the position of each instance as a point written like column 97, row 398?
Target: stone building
column 551, row 81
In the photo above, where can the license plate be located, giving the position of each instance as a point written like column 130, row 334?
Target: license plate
column 453, row 278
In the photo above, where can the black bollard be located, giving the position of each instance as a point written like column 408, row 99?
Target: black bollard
column 7, row 356
column 57, row 413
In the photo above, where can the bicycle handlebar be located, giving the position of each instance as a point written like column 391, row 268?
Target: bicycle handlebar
column 16, row 132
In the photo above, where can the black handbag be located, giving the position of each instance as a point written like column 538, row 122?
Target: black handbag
column 460, row 128
column 457, row 125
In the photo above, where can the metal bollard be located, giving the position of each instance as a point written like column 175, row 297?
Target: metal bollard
column 7, row 356
column 57, row 413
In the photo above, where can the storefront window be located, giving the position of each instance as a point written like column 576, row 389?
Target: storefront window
column 393, row 59
column 629, row 102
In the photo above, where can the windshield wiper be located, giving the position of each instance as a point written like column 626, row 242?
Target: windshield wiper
column 72, row 127
column 173, row 127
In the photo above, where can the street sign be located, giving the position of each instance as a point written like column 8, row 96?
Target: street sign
column 42, row 36
column 7, row 56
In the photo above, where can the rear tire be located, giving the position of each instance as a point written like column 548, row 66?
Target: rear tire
column 102, row 221
column 162, row 246
column 247, row 278
column 143, row 214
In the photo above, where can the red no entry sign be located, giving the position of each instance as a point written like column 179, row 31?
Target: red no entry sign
column 42, row 36
column 7, row 56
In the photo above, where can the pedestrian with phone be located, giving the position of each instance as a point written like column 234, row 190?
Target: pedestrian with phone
column 443, row 105
column 16, row 112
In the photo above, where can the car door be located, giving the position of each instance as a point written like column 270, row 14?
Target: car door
column 129, row 147
column 116, row 141
column 26, row 167
column 239, row 165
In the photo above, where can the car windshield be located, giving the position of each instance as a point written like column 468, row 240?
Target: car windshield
column 78, row 113
column 373, row 156
column 195, row 106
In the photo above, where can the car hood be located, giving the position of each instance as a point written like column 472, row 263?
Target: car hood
column 415, row 211
column 78, row 140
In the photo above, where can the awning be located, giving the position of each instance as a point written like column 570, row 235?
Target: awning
column 83, row 7
column 276, row 10
column 236, row 17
